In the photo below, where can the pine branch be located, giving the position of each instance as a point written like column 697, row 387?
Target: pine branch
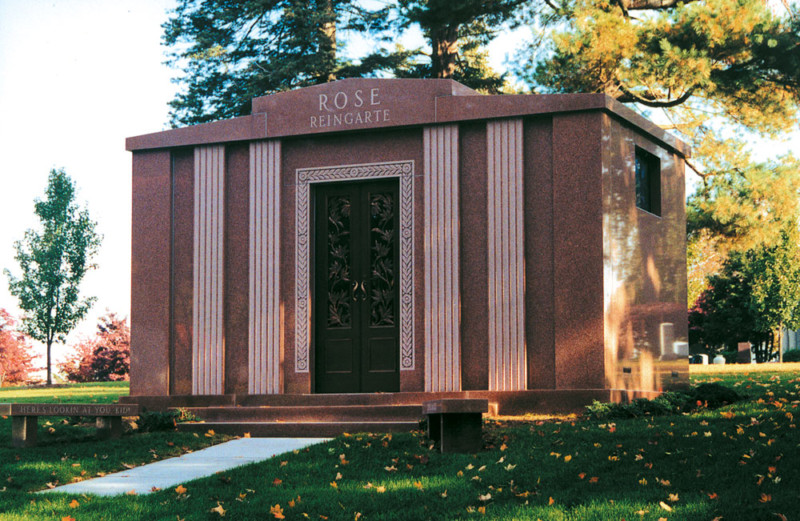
column 630, row 97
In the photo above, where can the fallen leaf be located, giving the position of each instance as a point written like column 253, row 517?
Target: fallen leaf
column 485, row 497
column 218, row 509
column 380, row 490
column 470, row 466
column 246, row 435
column 180, row 489
column 582, row 475
column 277, row 512
column 779, row 516
column 444, row 494
column 209, row 434
column 673, row 498
column 482, row 510
column 765, row 498
column 277, row 481
column 130, row 493
column 503, row 447
column 665, row 506
column 712, row 495
column 418, row 484
column 74, row 504
column 155, row 489
column 551, row 500
column 334, row 485
column 67, row 518
column 567, row 458
column 510, row 467
column 390, row 469
column 594, row 479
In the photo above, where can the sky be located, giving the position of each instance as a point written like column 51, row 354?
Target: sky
column 76, row 78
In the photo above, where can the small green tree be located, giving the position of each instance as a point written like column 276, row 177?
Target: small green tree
column 756, row 294
column 53, row 261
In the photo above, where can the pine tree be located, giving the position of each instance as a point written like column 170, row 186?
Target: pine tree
column 717, row 72
column 231, row 52
column 457, row 33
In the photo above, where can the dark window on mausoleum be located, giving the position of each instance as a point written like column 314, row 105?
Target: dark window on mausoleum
column 648, row 182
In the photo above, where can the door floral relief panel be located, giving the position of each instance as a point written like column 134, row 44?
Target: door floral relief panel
column 382, row 279
column 339, row 263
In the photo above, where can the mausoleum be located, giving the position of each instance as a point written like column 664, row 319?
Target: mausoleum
column 400, row 239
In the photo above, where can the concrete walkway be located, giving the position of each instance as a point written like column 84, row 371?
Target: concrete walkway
column 174, row 471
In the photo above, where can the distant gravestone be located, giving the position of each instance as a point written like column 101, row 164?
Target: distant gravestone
column 745, row 355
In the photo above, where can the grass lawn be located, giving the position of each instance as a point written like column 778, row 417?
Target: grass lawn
column 739, row 462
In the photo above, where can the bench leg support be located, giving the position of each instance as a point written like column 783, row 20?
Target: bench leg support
column 23, row 431
column 456, row 432
column 108, row 427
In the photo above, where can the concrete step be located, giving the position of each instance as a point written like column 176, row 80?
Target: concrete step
column 310, row 429
column 317, row 413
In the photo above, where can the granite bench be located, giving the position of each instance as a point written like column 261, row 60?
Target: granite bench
column 456, row 424
column 24, row 418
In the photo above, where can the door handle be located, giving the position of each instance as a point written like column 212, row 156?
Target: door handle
column 363, row 291
column 354, row 291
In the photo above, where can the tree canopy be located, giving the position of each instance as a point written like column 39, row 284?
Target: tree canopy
column 230, row 52
column 16, row 356
column 53, row 260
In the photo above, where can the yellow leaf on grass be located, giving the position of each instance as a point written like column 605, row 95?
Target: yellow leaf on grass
column 130, row 493
column 482, row 510
column 209, row 434
column 551, row 501
column 277, row 512
column 380, row 490
column 277, row 481
column 74, row 504
column 503, row 447
column 594, row 479
column 665, row 506
column 444, row 494
column 67, row 518
column 246, row 435
column 418, row 484
column 567, row 458
column 673, row 498
column 334, row 485
column 765, row 498
column 485, row 497
column 219, row 510
column 180, row 489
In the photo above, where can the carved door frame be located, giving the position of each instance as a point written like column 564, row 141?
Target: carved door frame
column 404, row 170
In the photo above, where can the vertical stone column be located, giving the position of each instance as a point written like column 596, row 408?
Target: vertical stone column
column 208, row 339
column 265, row 313
column 442, row 295
column 506, row 246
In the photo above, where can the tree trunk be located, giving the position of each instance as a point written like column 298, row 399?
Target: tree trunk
column 444, row 42
column 49, row 371
column 328, row 40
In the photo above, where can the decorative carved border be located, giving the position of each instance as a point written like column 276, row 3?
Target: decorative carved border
column 305, row 176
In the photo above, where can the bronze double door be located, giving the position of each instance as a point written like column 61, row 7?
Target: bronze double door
column 356, row 294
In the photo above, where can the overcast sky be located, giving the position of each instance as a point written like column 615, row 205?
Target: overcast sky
column 76, row 78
